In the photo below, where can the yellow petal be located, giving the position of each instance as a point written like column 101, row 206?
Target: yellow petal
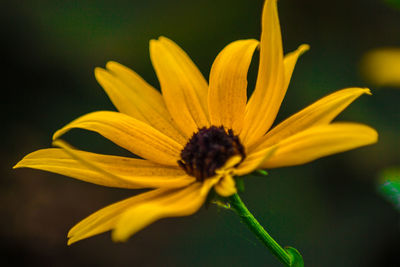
column 105, row 170
column 290, row 60
column 226, row 186
column 129, row 133
column 173, row 203
column 253, row 161
column 105, row 219
column 382, row 66
column 320, row 141
column 183, row 86
column 269, row 92
column 320, row 112
column 131, row 95
column 227, row 95
column 229, row 164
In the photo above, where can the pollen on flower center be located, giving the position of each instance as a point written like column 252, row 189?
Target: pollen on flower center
column 209, row 149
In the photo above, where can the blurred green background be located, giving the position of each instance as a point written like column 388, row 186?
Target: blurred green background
column 329, row 209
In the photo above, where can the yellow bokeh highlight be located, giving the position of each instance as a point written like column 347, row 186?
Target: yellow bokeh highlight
column 381, row 66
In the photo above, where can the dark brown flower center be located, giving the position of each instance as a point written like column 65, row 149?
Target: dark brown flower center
column 208, row 150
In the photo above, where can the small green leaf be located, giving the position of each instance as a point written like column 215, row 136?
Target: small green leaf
column 214, row 198
column 296, row 258
column 389, row 186
column 260, row 172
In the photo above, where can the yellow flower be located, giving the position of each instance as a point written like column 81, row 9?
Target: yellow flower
column 196, row 136
column 381, row 66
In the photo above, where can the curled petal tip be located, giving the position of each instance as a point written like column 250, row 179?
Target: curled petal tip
column 98, row 70
column 368, row 91
column 375, row 136
column 112, row 63
column 117, row 237
column 99, row 74
column 303, row 48
column 152, row 42
column 162, row 38
column 56, row 135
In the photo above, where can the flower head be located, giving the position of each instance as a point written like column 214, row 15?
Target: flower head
column 197, row 136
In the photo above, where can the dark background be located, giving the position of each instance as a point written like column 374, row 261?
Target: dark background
column 329, row 209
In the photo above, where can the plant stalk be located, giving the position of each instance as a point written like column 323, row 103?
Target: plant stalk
column 286, row 256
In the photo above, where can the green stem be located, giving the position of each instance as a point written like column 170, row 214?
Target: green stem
column 285, row 256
